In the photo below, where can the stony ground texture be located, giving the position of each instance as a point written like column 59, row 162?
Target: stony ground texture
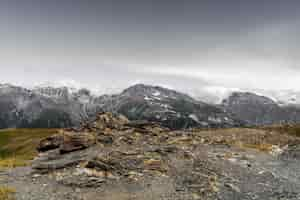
column 113, row 159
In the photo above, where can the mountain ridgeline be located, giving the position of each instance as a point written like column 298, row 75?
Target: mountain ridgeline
column 49, row 107
column 260, row 110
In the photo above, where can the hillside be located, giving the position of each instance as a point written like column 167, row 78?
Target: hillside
column 113, row 158
column 170, row 108
column 259, row 110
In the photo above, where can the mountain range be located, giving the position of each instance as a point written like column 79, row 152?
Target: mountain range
column 57, row 107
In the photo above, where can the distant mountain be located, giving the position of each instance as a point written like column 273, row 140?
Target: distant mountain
column 56, row 107
column 287, row 97
column 64, row 107
column 170, row 108
column 44, row 107
column 260, row 110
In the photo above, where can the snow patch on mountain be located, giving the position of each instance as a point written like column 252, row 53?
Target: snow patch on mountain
column 156, row 93
column 212, row 94
column 194, row 117
column 284, row 97
column 74, row 87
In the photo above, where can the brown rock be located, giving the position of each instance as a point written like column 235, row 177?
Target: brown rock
column 138, row 123
column 100, row 165
column 105, row 139
column 108, row 120
column 73, row 141
column 153, row 164
column 50, row 143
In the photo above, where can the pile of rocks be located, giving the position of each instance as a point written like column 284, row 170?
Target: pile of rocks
column 146, row 161
column 112, row 149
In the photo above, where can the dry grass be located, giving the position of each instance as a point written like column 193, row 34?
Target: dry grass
column 12, row 162
column 7, row 193
column 289, row 129
column 261, row 147
column 262, row 139
column 18, row 146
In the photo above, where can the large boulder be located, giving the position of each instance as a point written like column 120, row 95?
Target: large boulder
column 50, row 143
column 110, row 121
column 73, row 141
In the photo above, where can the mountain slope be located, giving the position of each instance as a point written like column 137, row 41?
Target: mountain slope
column 43, row 108
column 64, row 107
column 49, row 107
column 170, row 108
column 260, row 110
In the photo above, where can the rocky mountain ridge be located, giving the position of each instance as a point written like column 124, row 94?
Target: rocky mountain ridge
column 44, row 107
column 168, row 107
column 66, row 107
column 260, row 110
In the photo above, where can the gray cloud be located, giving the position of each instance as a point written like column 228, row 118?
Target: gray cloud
column 182, row 44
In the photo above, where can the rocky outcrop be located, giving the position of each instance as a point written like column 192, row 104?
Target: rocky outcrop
column 114, row 156
column 72, row 141
column 67, row 141
column 109, row 121
column 50, row 143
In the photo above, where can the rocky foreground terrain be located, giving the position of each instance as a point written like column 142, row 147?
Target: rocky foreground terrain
column 112, row 158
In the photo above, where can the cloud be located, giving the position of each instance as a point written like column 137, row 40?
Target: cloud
column 241, row 74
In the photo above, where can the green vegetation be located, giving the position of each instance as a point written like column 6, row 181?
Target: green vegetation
column 18, row 146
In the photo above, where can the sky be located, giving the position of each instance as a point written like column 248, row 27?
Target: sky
column 191, row 45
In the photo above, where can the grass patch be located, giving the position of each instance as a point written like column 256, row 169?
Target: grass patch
column 7, row 193
column 261, row 147
column 12, row 162
column 290, row 129
column 18, row 146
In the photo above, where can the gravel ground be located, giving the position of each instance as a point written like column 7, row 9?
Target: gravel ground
column 247, row 175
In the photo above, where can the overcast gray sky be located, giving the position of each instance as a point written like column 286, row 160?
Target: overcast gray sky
column 187, row 44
